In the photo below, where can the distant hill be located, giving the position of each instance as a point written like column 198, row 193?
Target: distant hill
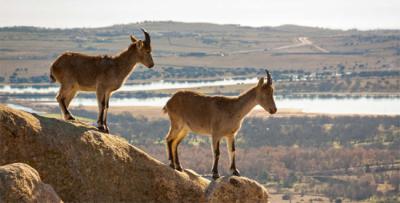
column 179, row 44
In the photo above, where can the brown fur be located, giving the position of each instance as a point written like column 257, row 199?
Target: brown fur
column 216, row 116
column 101, row 74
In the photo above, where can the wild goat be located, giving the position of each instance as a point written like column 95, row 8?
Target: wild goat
column 102, row 74
column 217, row 116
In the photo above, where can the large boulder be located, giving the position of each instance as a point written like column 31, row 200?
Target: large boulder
column 21, row 183
column 85, row 165
column 240, row 189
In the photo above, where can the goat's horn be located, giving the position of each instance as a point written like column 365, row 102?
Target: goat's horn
column 146, row 36
column 269, row 79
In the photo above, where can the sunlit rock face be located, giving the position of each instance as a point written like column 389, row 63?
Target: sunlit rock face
column 21, row 183
column 85, row 165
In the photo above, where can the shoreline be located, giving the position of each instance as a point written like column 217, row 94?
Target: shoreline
column 156, row 112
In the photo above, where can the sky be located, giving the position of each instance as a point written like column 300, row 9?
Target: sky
column 337, row 14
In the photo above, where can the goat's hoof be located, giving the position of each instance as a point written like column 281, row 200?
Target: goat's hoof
column 172, row 165
column 236, row 172
column 102, row 129
column 69, row 118
column 179, row 168
column 215, row 176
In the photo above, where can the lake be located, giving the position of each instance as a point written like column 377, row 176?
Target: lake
column 158, row 85
column 362, row 105
column 370, row 106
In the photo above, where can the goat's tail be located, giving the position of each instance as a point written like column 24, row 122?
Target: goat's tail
column 52, row 78
column 165, row 109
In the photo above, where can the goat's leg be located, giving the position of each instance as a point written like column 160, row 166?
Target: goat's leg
column 61, row 99
column 215, row 148
column 67, row 101
column 175, row 144
column 230, row 143
column 171, row 136
column 107, row 101
column 170, row 156
column 101, row 102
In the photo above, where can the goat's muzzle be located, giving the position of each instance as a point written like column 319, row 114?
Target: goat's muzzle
column 150, row 65
column 273, row 110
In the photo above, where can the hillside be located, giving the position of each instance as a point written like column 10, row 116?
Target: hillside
column 176, row 44
column 84, row 165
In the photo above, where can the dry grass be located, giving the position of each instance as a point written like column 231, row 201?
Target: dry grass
column 156, row 112
column 241, row 46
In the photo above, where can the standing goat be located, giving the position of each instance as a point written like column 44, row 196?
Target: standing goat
column 101, row 74
column 217, row 116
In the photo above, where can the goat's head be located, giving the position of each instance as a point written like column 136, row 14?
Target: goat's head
column 265, row 94
column 143, row 49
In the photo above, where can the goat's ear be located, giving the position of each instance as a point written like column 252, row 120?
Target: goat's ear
column 133, row 39
column 260, row 82
column 139, row 44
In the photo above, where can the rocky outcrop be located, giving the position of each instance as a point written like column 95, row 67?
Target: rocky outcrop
column 21, row 183
column 240, row 189
column 85, row 165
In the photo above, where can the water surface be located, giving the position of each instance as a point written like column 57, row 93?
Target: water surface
column 363, row 105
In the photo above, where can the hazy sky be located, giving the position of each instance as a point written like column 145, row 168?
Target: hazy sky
column 344, row 14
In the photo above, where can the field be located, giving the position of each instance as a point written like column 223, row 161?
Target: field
column 176, row 44
column 156, row 112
